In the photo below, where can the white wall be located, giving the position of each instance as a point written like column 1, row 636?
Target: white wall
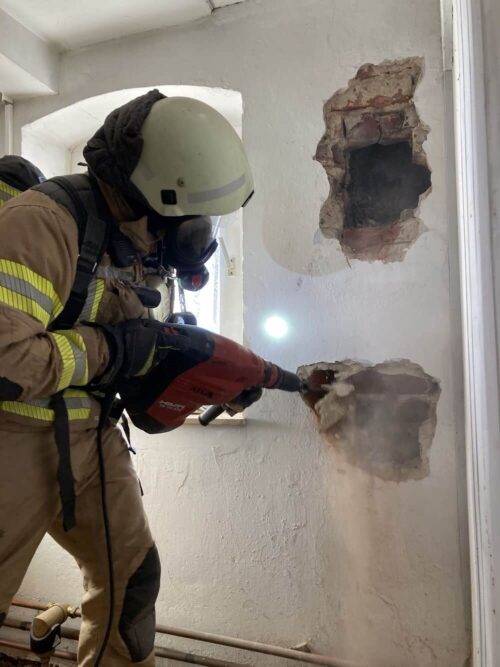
column 52, row 158
column 263, row 531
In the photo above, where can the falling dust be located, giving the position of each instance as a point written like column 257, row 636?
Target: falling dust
column 381, row 418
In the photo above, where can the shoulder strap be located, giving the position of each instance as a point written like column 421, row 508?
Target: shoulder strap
column 85, row 203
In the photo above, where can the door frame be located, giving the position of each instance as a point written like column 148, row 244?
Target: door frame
column 481, row 378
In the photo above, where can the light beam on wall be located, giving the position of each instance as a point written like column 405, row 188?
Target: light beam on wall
column 276, row 327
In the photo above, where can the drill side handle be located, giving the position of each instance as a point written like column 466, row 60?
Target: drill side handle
column 287, row 381
column 210, row 414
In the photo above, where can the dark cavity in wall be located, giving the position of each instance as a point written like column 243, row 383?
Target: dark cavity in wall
column 383, row 182
column 373, row 156
column 380, row 418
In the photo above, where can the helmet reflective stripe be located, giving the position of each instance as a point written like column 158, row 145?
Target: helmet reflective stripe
column 209, row 195
column 192, row 161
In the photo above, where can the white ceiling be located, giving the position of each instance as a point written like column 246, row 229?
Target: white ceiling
column 70, row 24
column 16, row 82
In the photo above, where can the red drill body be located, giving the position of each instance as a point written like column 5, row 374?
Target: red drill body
column 199, row 368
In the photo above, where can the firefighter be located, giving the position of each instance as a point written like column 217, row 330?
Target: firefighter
column 160, row 170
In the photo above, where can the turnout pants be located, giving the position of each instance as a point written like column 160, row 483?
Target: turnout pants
column 30, row 507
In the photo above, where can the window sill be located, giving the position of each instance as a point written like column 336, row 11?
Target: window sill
column 224, row 420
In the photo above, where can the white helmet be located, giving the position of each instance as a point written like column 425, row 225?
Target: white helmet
column 192, row 161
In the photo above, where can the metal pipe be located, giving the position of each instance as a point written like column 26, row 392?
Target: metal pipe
column 193, row 659
column 8, row 108
column 66, row 655
column 17, row 624
column 38, row 606
column 160, row 651
column 257, row 647
column 222, row 640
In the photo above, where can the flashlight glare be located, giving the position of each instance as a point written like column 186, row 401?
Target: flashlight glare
column 276, row 327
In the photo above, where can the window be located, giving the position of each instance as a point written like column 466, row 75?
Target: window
column 218, row 306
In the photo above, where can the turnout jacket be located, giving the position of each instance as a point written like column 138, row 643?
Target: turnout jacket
column 38, row 256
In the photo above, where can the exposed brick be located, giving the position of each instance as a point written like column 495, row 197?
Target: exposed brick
column 377, row 92
column 391, row 123
column 365, row 130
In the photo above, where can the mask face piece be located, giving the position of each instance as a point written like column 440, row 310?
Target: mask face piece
column 189, row 243
column 185, row 244
column 195, row 241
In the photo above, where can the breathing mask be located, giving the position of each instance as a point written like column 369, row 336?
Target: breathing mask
column 190, row 243
column 187, row 243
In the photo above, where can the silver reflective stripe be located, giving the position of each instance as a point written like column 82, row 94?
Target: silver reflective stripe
column 108, row 272
column 78, row 402
column 71, row 402
column 38, row 402
column 208, row 195
column 24, row 288
column 89, row 302
column 80, row 364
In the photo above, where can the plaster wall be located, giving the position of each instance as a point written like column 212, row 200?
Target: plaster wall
column 263, row 531
column 52, row 158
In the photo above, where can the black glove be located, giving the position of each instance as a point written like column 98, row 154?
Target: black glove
column 244, row 400
column 133, row 347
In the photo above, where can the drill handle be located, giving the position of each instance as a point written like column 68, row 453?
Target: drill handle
column 287, row 381
column 210, row 414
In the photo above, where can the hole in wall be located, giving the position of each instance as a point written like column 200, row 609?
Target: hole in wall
column 383, row 182
column 377, row 169
column 379, row 418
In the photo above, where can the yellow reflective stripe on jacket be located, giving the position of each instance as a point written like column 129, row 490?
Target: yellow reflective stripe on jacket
column 74, row 358
column 78, row 404
column 7, row 192
column 148, row 363
column 27, row 291
column 93, row 300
